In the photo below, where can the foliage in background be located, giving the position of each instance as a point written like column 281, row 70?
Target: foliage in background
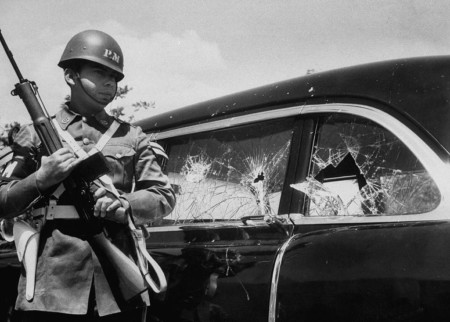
column 4, row 132
column 123, row 112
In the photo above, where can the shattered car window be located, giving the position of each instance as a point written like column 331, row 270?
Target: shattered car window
column 361, row 169
column 229, row 174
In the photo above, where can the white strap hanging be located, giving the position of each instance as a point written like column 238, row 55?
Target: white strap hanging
column 144, row 258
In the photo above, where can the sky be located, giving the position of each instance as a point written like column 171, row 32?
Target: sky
column 180, row 52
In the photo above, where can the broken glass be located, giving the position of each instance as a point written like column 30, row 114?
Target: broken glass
column 359, row 168
column 229, row 174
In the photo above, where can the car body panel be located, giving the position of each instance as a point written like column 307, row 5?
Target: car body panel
column 323, row 276
column 216, row 280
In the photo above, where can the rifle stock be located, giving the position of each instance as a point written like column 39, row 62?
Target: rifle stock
column 122, row 273
column 126, row 275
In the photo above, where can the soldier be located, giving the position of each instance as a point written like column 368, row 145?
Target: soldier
column 70, row 283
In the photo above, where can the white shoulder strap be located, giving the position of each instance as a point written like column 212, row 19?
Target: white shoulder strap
column 107, row 135
column 69, row 139
column 77, row 148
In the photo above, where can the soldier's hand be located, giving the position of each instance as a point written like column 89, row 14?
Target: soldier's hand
column 109, row 207
column 55, row 168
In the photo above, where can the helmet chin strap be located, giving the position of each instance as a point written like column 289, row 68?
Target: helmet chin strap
column 77, row 77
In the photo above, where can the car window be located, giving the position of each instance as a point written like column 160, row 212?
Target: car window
column 230, row 173
column 358, row 168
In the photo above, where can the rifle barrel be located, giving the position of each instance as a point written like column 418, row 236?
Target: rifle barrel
column 11, row 58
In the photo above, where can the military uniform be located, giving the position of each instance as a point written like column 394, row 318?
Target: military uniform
column 68, row 272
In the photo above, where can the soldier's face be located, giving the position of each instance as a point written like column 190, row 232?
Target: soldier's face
column 99, row 82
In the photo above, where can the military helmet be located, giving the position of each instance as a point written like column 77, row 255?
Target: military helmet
column 95, row 46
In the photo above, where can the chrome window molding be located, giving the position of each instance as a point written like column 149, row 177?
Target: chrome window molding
column 226, row 123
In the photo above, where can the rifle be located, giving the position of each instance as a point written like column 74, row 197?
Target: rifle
column 123, row 275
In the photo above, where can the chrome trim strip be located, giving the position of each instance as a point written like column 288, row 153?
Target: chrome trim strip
column 275, row 279
column 435, row 215
column 233, row 121
column 183, row 227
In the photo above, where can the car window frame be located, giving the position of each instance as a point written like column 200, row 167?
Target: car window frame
column 433, row 164
column 292, row 203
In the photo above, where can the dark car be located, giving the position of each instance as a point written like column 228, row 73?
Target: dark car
column 320, row 198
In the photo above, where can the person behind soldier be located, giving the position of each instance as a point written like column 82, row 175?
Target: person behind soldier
column 70, row 283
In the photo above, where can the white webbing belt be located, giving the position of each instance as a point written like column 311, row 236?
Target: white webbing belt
column 144, row 258
column 56, row 212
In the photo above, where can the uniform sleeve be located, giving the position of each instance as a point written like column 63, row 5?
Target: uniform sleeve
column 153, row 196
column 18, row 189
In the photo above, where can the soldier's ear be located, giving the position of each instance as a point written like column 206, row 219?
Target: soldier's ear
column 69, row 76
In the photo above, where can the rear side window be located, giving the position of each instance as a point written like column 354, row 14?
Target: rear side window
column 358, row 168
column 227, row 174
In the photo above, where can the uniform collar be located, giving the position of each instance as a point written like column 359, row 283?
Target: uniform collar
column 104, row 119
column 66, row 116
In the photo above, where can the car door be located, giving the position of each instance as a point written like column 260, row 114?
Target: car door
column 371, row 214
column 218, row 245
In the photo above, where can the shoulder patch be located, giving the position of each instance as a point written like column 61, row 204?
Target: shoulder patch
column 158, row 150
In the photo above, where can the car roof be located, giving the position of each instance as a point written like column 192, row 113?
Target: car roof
column 418, row 88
